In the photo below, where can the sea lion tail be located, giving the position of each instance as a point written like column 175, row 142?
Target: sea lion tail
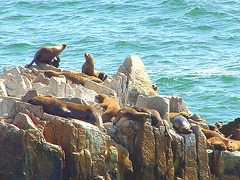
column 29, row 65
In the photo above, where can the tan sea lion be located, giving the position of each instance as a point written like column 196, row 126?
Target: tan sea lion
column 47, row 55
column 210, row 133
column 88, row 68
column 184, row 114
column 131, row 114
column 65, row 109
column 73, row 77
column 219, row 143
column 110, row 105
column 181, row 124
column 234, row 146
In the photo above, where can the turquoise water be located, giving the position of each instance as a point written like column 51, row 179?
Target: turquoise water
column 191, row 48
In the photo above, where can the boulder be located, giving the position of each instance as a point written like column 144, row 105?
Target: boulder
column 3, row 90
column 23, row 121
column 25, row 154
column 89, row 152
column 29, row 95
column 159, row 103
column 137, row 82
column 177, row 104
column 224, row 164
column 99, row 88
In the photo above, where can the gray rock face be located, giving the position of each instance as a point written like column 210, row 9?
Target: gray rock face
column 132, row 80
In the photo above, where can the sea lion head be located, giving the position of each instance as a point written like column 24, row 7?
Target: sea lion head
column 100, row 98
column 88, row 57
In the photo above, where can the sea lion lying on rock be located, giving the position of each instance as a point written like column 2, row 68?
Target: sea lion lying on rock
column 155, row 116
column 210, row 133
column 234, row 146
column 88, row 68
column 181, row 124
column 73, row 77
column 47, row 55
column 110, row 105
column 131, row 114
column 219, row 143
column 65, row 109
column 184, row 114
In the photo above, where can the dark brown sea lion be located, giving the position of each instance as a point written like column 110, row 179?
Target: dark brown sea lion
column 110, row 105
column 181, row 124
column 47, row 55
column 65, row 109
column 88, row 68
column 155, row 116
column 131, row 114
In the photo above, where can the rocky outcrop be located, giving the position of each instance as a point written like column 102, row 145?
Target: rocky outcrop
column 25, row 154
column 130, row 81
column 37, row 145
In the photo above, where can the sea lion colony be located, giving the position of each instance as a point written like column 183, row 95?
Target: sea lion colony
column 113, row 112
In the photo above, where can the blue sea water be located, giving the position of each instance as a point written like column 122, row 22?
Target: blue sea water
column 191, row 48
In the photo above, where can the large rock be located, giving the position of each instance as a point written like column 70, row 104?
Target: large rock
column 137, row 82
column 99, row 88
column 225, row 164
column 89, row 152
column 159, row 103
column 27, row 155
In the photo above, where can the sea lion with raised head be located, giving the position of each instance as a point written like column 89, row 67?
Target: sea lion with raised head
column 181, row 124
column 88, row 68
column 110, row 105
column 47, row 55
column 65, row 109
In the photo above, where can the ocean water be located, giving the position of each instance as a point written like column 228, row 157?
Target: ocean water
column 191, row 48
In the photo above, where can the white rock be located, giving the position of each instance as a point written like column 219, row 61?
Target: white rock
column 27, row 82
column 99, row 88
column 7, row 106
column 84, row 93
column 159, row 103
column 15, row 85
column 3, row 90
column 38, row 85
column 137, row 82
column 119, row 84
column 23, row 121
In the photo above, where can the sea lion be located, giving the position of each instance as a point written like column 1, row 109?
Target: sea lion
column 234, row 146
column 72, row 77
column 155, row 87
column 155, row 116
column 181, row 124
column 110, row 105
column 210, row 133
column 47, row 55
column 219, row 143
column 65, row 109
column 88, row 68
column 184, row 114
column 131, row 114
